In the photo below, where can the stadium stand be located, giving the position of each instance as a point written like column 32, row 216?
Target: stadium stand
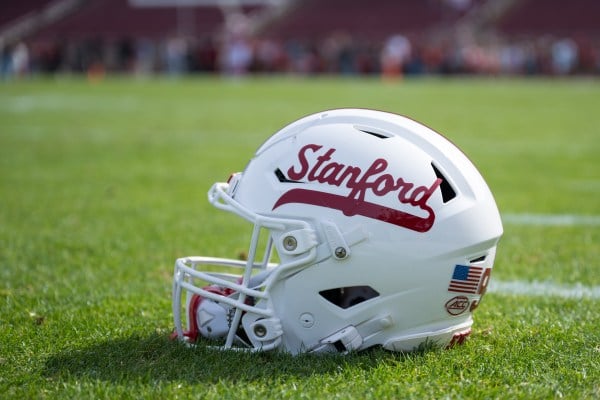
column 315, row 19
column 556, row 17
column 303, row 36
column 110, row 19
column 564, row 34
column 15, row 10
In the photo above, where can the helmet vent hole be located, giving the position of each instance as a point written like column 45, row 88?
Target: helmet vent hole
column 282, row 178
column 373, row 132
column 477, row 260
column 346, row 297
column 448, row 192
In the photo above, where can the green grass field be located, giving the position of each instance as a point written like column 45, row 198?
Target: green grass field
column 103, row 185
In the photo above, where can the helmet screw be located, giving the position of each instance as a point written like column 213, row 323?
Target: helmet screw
column 290, row 243
column 340, row 252
column 260, row 330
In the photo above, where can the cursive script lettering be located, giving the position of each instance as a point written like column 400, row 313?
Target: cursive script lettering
column 316, row 165
column 374, row 179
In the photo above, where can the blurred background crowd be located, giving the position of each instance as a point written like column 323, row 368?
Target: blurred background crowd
column 392, row 38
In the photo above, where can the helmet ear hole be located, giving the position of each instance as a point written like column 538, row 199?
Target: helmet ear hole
column 346, row 297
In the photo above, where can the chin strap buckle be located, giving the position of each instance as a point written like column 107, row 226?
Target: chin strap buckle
column 343, row 341
column 206, row 317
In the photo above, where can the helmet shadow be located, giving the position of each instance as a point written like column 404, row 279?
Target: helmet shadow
column 156, row 358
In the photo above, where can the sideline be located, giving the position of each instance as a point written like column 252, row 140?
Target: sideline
column 551, row 219
column 547, row 289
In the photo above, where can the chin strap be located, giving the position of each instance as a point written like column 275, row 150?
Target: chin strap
column 192, row 334
column 209, row 314
column 196, row 300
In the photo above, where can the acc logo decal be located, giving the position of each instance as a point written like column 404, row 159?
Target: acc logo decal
column 457, row 305
column 374, row 180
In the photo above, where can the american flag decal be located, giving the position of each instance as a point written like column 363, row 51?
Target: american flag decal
column 465, row 279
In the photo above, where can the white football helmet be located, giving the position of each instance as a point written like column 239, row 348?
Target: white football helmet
column 376, row 231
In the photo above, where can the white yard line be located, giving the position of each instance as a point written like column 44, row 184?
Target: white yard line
column 545, row 288
column 551, row 219
column 549, row 289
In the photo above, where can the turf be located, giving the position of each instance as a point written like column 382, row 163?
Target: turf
column 103, row 184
